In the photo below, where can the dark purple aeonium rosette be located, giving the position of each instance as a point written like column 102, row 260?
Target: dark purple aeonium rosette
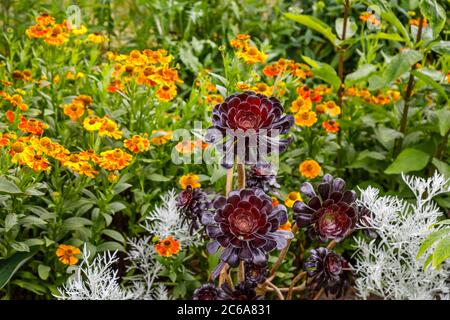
column 247, row 125
column 262, row 175
column 192, row 203
column 247, row 226
column 329, row 270
column 209, row 292
column 330, row 215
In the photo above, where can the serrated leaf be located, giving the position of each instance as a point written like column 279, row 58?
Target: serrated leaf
column 408, row 160
column 316, row 25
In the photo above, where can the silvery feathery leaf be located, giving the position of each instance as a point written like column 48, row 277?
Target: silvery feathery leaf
column 387, row 266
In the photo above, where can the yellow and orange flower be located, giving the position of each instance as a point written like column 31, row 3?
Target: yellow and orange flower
column 114, row 159
column 97, row 38
column 332, row 109
column 32, row 126
column 331, row 126
column 167, row 247
column 272, row 70
column 309, row 169
column 115, row 86
column 263, row 88
column 74, row 111
column 160, row 137
column 247, row 52
column 92, row 123
column 301, row 104
column 67, row 254
column 58, row 35
column 213, row 99
column 110, row 129
column 35, row 161
column 137, row 144
column 275, row 202
column 286, row 227
column 305, row 118
column 291, row 198
column 166, row 92
column 185, row 146
column 190, row 179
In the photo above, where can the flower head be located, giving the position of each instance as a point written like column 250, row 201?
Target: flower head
column 246, row 225
column 137, row 144
column 309, row 169
column 208, row 292
column 167, row 247
column 114, row 159
column 191, row 180
column 262, row 176
column 291, row 198
column 331, row 126
column 305, row 118
column 66, row 254
column 330, row 215
column 193, row 203
column 255, row 273
column 242, row 291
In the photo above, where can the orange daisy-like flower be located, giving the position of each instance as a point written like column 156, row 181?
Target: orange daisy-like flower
column 303, row 104
column 263, row 88
column 66, row 254
column 416, row 22
column 190, row 179
column 36, row 161
column 10, row 116
column 114, row 159
column 97, row 38
column 17, row 101
column 251, row 55
column 309, row 169
column 213, row 99
column 167, row 247
column 332, row 109
column 242, row 86
column 275, row 202
column 92, row 123
column 137, row 144
column 57, row 37
column 185, row 146
column 331, row 126
column 115, row 85
column 291, row 198
column 74, row 110
column 161, row 137
column 110, row 129
column 305, row 118
column 287, row 226
column 166, row 92
column 32, row 126
column 44, row 19
column 38, row 31
column 113, row 177
column 272, row 70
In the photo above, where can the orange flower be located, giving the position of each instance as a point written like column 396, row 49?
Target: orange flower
column 114, row 159
column 251, row 55
column 262, row 88
column 97, row 38
column 66, row 254
column 305, row 118
column 213, row 99
column 38, row 31
column 36, row 161
column 74, row 110
column 44, row 19
column 83, row 99
column 272, row 70
column 32, row 126
column 92, row 123
column 167, row 247
column 10, row 116
column 115, row 86
column 190, row 179
column 309, row 169
column 57, row 37
column 291, row 198
column 416, row 22
column 332, row 109
column 166, row 92
column 110, row 129
column 275, row 202
column 185, row 146
column 242, row 86
column 331, row 126
column 137, row 144
column 161, row 137
column 303, row 104
column 287, row 226
column 113, row 177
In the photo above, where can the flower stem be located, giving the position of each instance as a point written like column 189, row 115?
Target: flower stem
column 283, row 253
column 229, row 185
column 294, row 281
column 241, row 176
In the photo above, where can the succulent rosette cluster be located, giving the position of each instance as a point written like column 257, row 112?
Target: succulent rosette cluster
column 242, row 291
column 331, row 213
column 253, row 118
column 263, row 176
column 247, row 226
column 329, row 270
column 192, row 203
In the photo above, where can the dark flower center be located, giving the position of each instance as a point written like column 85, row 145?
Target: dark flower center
column 244, row 223
column 332, row 222
column 247, row 120
column 333, row 264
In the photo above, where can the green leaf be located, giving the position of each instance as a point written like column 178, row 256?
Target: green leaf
column 74, row 223
column 351, row 28
column 157, row 177
column 9, row 266
column 435, row 14
column 441, row 47
column 430, row 240
column 30, row 286
column 116, row 206
column 442, row 252
column 110, row 246
column 400, row 64
column 316, row 25
column 20, row 246
column 114, row 234
column 444, row 120
column 408, row 160
column 428, row 80
column 120, row 187
column 43, row 271
column 442, row 167
column 390, row 17
column 7, row 186
column 10, row 221
column 324, row 71
column 361, row 73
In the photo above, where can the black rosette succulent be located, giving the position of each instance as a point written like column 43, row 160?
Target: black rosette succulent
column 329, row 270
column 255, row 273
column 209, row 292
column 242, row 291
column 247, row 125
column 263, row 176
column 247, row 226
column 329, row 215
column 193, row 203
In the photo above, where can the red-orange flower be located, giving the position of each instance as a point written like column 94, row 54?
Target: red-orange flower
column 32, row 126
column 167, row 247
column 331, row 126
